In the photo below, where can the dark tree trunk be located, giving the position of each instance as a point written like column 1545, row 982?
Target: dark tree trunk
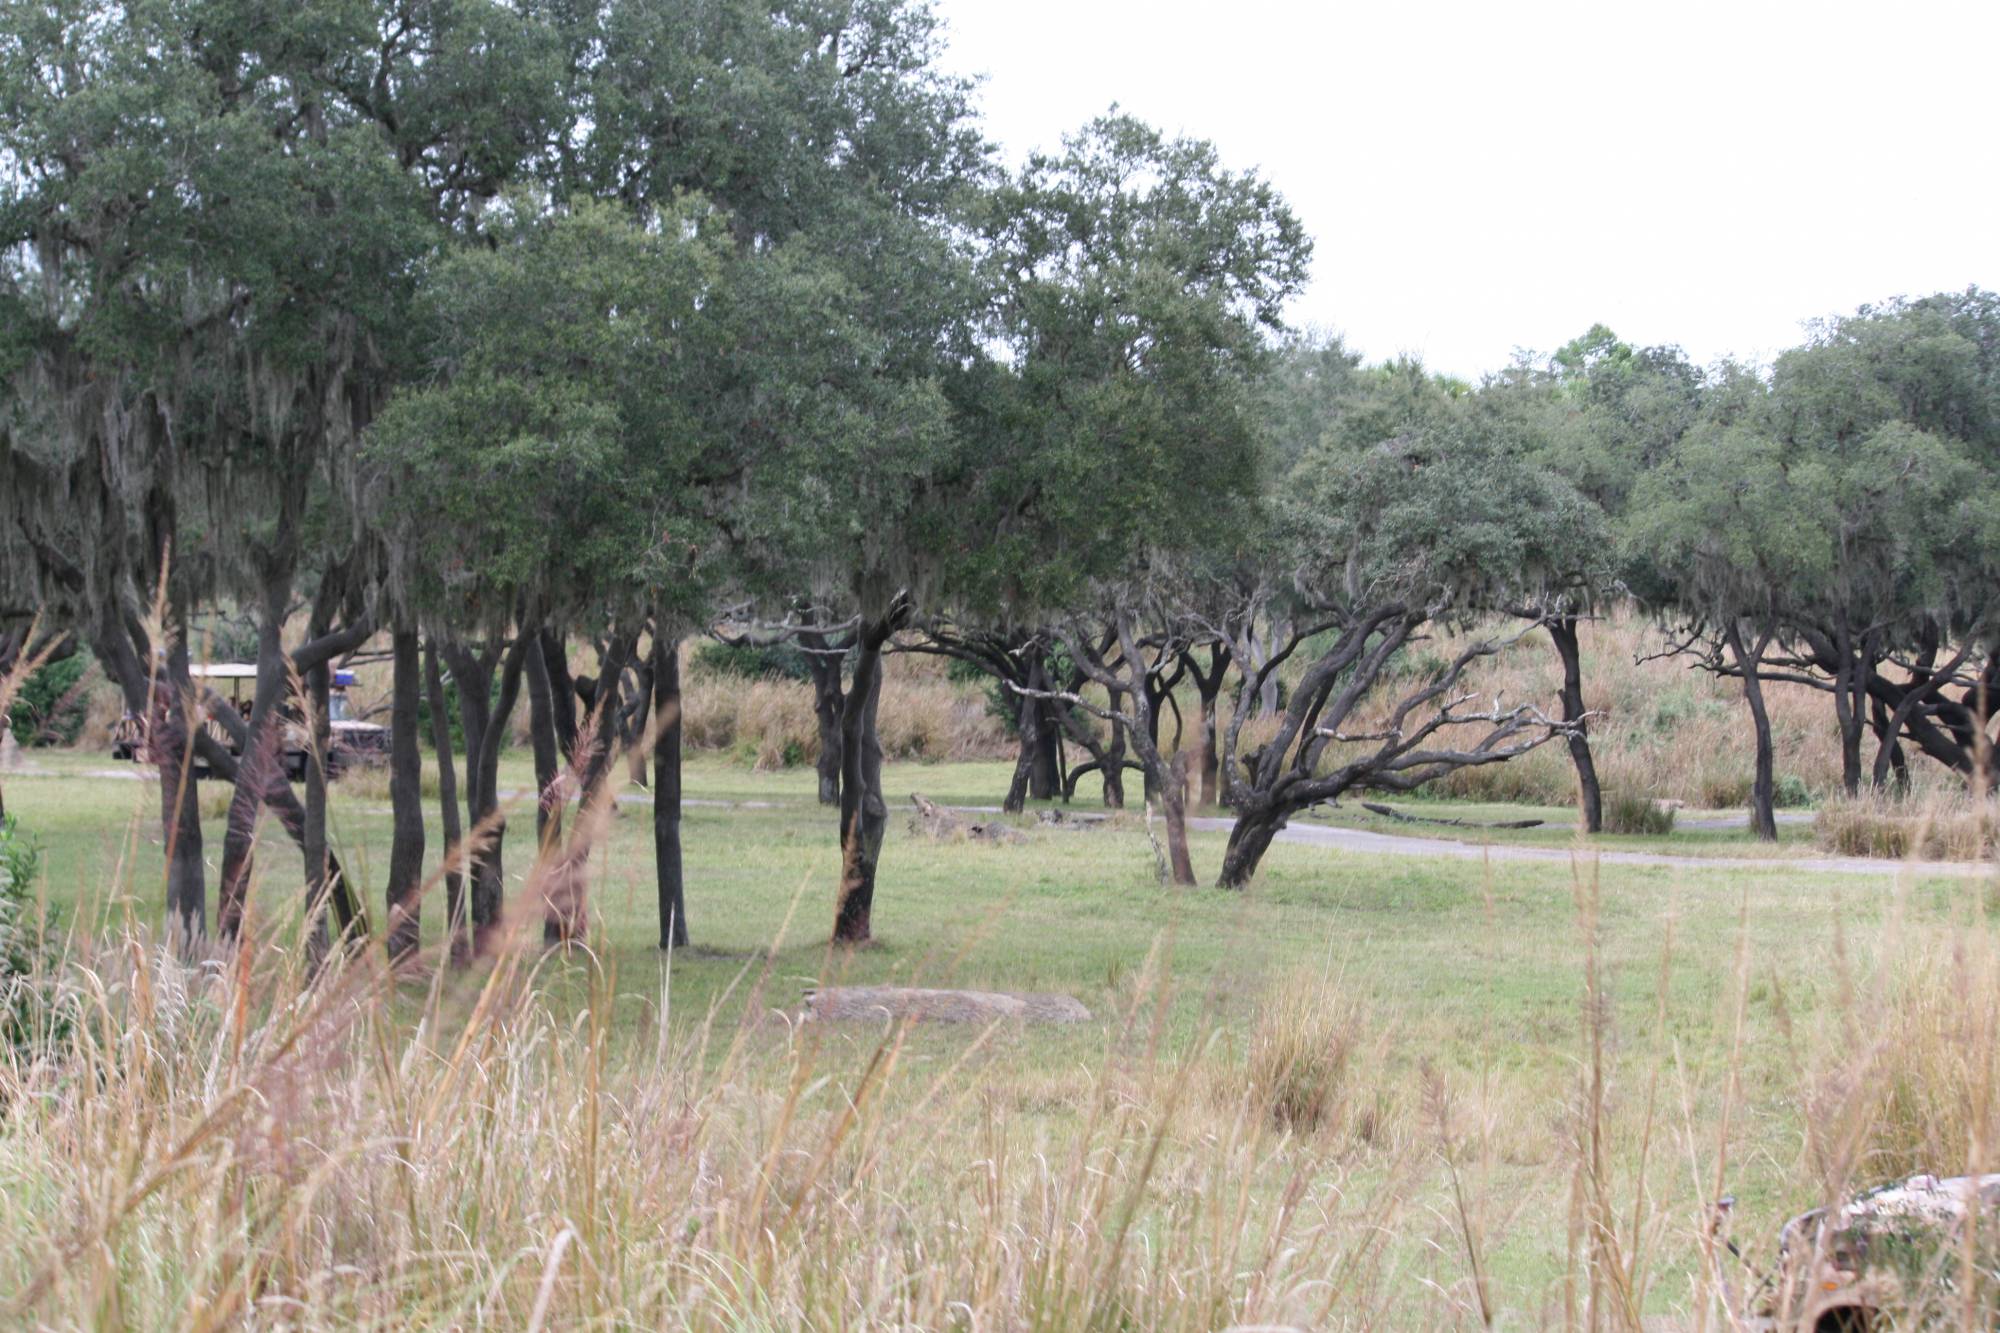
column 1249, row 839
column 485, row 734
column 319, row 879
column 605, row 727
column 1028, row 750
column 260, row 761
column 667, row 790
column 562, row 691
column 1888, row 749
column 1850, row 686
column 1156, row 687
column 489, row 881
column 174, row 722
column 829, row 706
column 474, row 678
column 1112, row 767
column 542, row 735
column 1749, row 661
column 1590, row 796
column 863, row 813
column 406, row 798
column 560, row 921
column 456, row 923
column 1045, row 777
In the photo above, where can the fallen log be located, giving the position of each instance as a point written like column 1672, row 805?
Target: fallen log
column 1402, row 818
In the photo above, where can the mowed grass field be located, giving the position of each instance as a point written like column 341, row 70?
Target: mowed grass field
column 1374, row 1090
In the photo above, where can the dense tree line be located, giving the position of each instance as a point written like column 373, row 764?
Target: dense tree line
column 490, row 329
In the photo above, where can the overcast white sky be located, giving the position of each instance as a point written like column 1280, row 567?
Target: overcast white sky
column 1482, row 176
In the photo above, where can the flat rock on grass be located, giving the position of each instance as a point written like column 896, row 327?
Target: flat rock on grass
column 843, row 1003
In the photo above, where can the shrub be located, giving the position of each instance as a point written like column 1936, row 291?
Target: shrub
column 1790, row 792
column 1625, row 812
column 52, row 703
column 752, row 661
column 1300, row 1050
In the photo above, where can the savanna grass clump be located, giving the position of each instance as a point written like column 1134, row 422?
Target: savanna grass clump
column 1628, row 812
column 233, row 1138
column 1300, row 1050
column 1936, row 828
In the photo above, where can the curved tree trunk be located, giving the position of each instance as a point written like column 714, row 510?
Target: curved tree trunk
column 1249, row 839
column 1112, row 768
column 829, row 704
column 406, row 799
column 319, row 876
column 1749, row 658
column 1590, row 796
column 667, row 791
column 171, row 730
column 562, row 691
column 457, row 924
column 863, row 814
column 259, row 761
column 1888, row 749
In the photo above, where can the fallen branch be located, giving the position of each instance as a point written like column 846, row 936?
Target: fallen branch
column 1402, row 818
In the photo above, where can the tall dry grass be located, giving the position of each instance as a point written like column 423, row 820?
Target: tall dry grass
column 1951, row 826
column 223, row 1143
column 234, row 1140
column 770, row 723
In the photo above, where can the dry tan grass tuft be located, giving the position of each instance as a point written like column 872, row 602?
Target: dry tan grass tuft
column 1941, row 827
column 1300, row 1051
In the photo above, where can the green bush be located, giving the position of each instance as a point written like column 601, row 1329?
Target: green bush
column 1790, row 792
column 1624, row 813
column 50, row 708
column 753, row 661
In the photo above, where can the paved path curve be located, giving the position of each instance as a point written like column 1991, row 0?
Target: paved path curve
column 1396, row 844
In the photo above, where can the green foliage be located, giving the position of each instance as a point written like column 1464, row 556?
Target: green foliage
column 783, row 660
column 1446, row 517
column 50, row 706
column 1133, row 277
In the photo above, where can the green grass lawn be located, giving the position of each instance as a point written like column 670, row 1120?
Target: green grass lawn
column 1464, row 972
